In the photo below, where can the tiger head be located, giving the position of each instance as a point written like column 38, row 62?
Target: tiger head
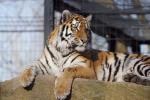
column 73, row 33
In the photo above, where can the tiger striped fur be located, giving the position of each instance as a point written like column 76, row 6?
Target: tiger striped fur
column 66, row 57
column 60, row 51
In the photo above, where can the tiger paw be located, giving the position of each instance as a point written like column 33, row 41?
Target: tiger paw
column 62, row 93
column 128, row 77
column 62, row 88
column 27, row 77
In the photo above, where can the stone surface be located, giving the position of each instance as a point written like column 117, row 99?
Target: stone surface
column 82, row 90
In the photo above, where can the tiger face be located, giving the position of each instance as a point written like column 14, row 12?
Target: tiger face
column 74, row 32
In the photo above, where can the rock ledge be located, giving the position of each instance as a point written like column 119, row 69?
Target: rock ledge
column 82, row 90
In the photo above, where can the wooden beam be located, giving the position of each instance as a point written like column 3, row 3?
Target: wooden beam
column 106, row 3
column 97, row 8
column 137, row 4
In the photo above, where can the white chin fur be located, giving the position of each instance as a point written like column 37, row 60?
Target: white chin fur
column 80, row 49
column 66, row 52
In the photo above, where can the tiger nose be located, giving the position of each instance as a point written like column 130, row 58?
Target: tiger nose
column 83, row 41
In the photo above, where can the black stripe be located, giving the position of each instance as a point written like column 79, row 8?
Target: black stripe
column 141, row 65
column 67, row 34
column 145, row 64
column 44, row 66
column 146, row 71
column 63, row 27
column 116, row 58
column 61, row 35
column 71, row 27
column 144, row 67
column 117, row 68
column 138, row 70
column 146, row 59
column 46, row 60
column 68, row 53
column 137, row 63
column 75, row 58
column 41, row 69
column 109, row 73
column 127, row 55
column 67, row 58
column 106, row 60
column 51, row 54
column 106, row 63
column 103, row 74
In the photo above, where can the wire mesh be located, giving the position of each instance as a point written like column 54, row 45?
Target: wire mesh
column 21, row 35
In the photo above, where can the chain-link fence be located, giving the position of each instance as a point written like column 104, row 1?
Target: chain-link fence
column 21, row 35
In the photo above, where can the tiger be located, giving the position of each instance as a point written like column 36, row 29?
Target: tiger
column 67, row 57
column 60, row 51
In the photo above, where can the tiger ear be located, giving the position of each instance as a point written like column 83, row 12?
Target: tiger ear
column 89, row 18
column 66, row 14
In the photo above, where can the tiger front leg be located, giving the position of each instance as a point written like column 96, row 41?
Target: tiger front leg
column 27, row 77
column 63, row 83
column 63, row 87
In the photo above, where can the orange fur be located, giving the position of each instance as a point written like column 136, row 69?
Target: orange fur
column 88, row 64
column 24, row 77
column 53, row 35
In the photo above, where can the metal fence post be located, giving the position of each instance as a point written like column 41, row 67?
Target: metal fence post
column 48, row 18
